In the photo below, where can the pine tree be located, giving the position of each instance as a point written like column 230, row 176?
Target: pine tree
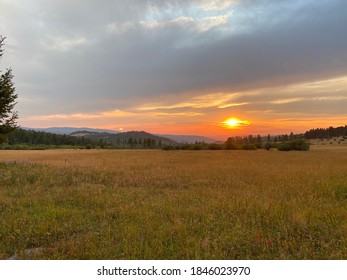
column 8, row 97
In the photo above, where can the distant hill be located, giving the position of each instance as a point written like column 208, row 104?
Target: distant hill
column 30, row 139
column 72, row 130
column 69, row 130
column 190, row 139
column 133, row 138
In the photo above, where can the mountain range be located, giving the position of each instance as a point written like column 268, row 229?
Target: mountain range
column 69, row 130
column 129, row 137
column 93, row 134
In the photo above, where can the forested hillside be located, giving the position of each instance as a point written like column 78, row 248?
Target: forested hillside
column 21, row 137
column 30, row 139
column 132, row 139
column 321, row 133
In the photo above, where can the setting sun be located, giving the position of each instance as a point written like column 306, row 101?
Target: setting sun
column 235, row 123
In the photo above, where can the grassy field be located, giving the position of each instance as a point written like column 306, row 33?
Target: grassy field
column 152, row 204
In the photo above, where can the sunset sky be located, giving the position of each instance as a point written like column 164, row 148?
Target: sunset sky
column 178, row 67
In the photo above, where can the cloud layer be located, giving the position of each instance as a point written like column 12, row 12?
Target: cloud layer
column 212, row 58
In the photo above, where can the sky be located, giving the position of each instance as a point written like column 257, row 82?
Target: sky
column 178, row 67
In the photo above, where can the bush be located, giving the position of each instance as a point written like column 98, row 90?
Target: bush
column 186, row 147
column 169, row 148
column 294, row 145
column 230, row 146
column 268, row 146
column 258, row 145
column 215, row 147
column 23, row 147
column 197, row 147
column 249, row 147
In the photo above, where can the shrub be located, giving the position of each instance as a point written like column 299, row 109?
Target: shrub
column 169, row 148
column 197, row 147
column 294, row 145
column 215, row 147
column 258, row 145
column 268, row 146
column 230, row 146
column 249, row 147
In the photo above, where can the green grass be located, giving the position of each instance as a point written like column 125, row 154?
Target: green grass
column 173, row 204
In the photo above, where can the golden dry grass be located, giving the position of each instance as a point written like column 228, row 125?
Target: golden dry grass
column 151, row 204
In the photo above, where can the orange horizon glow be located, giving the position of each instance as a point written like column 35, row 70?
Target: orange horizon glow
column 217, row 125
column 214, row 129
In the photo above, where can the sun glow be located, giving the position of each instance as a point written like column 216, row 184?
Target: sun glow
column 235, row 123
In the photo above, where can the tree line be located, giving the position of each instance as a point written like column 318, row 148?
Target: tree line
column 247, row 143
column 23, row 139
column 326, row 133
column 30, row 139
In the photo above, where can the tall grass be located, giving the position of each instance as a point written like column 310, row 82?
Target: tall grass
column 173, row 204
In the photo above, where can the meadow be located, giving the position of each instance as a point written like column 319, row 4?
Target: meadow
column 153, row 204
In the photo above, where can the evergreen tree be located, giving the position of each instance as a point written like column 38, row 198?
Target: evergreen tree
column 8, row 97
